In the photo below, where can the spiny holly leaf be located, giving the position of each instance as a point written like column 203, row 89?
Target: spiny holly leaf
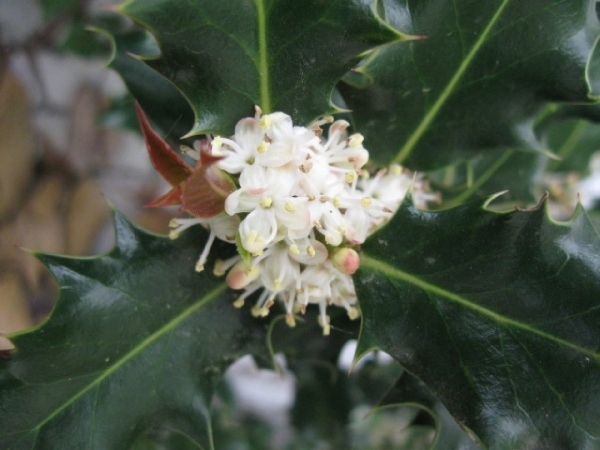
column 163, row 103
column 476, row 82
column 487, row 174
column 497, row 313
column 136, row 342
column 409, row 390
column 283, row 55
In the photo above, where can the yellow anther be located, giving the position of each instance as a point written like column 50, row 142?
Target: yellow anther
column 343, row 230
column 173, row 234
column 325, row 325
column 355, row 140
column 395, row 169
column 173, row 223
column 263, row 147
column 350, row 177
column 337, row 202
column 218, row 270
column 239, row 303
column 265, row 122
column 266, row 202
column 199, row 267
column 353, row 313
column 310, row 251
column 259, row 312
column 277, row 284
column 289, row 207
column 365, row 202
column 251, row 238
column 328, row 119
column 294, row 249
column 289, row 319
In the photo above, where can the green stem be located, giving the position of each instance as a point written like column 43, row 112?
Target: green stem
column 265, row 95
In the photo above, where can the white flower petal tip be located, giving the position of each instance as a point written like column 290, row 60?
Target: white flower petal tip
column 300, row 199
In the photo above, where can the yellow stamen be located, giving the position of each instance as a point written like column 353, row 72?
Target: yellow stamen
column 266, row 202
column 265, row 122
column 173, row 223
column 289, row 319
column 395, row 169
column 263, row 147
column 365, row 202
column 289, row 207
column 336, row 202
column 173, row 234
column 239, row 303
column 294, row 249
column 199, row 267
column 353, row 313
column 350, row 177
column 218, row 270
column 310, row 251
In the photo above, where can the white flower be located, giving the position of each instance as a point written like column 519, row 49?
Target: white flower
column 302, row 203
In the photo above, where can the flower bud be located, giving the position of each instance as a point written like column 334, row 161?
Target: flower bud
column 346, row 260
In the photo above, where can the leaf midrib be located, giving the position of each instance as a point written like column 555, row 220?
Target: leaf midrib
column 416, row 135
column 173, row 323
column 393, row 272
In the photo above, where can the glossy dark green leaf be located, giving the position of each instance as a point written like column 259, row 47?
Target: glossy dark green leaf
column 513, row 171
column 497, row 313
column 476, row 83
column 283, row 55
column 409, row 390
column 572, row 132
column 161, row 101
column 136, row 344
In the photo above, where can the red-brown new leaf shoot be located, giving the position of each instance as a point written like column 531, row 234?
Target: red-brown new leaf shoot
column 165, row 160
column 205, row 191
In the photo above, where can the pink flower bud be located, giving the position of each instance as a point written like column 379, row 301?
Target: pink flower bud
column 345, row 260
column 241, row 275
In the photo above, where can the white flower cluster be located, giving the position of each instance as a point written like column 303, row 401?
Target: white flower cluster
column 302, row 204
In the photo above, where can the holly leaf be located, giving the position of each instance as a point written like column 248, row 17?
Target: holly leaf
column 409, row 390
column 283, row 55
column 163, row 103
column 497, row 313
column 136, row 343
column 487, row 174
column 475, row 83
